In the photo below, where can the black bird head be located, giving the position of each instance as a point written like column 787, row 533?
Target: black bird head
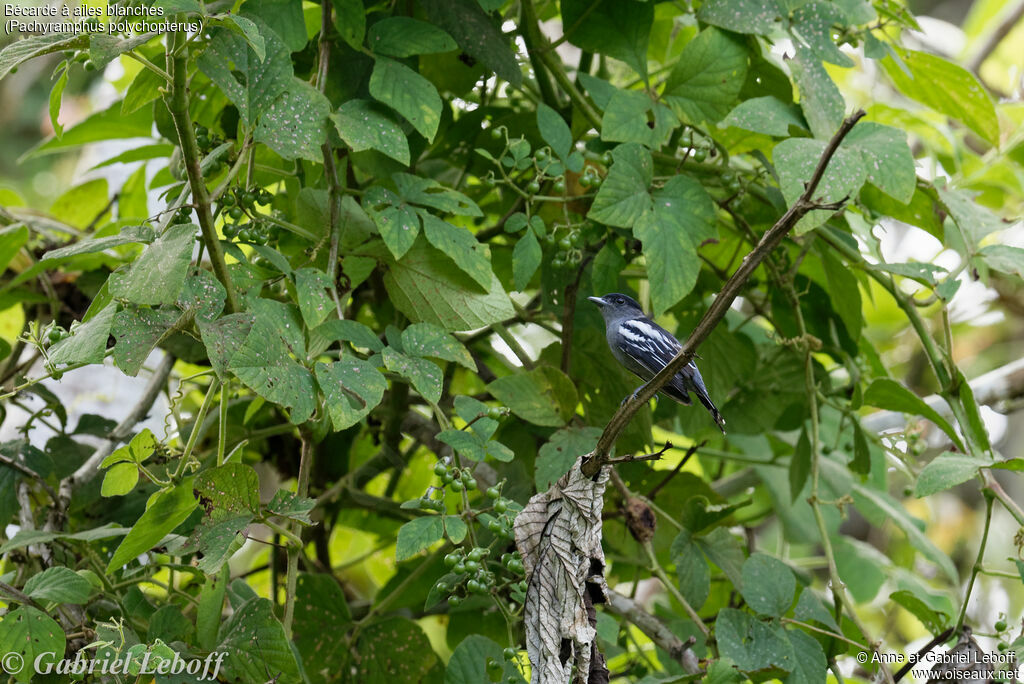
column 615, row 306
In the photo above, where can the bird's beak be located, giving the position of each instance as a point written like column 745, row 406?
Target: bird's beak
column 597, row 300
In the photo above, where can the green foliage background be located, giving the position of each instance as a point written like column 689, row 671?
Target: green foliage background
column 352, row 245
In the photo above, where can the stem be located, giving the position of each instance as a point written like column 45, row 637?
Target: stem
column 659, row 572
column 177, row 104
column 301, row 489
column 222, row 432
column 720, row 306
column 989, row 497
column 197, row 426
column 149, row 65
column 513, row 344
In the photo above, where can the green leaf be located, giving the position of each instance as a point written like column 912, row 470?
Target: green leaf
column 425, row 288
column 12, row 239
column 409, row 94
column 744, row 16
column 350, row 20
column 707, row 77
column 393, row 650
column 211, row 603
column 810, row 608
column 887, row 158
column 796, row 158
column 617, row 28
column 683, row 217
column 399, row 226
column 264, row 364
column 223, row 337
column 623, row 196
column 810, row 665
column 295, row 123
column 366, row 125
column 109, row 124
column 145, row 88
column 311, row 285
column 137, row 331
column 932, row 621
column 468, row 444
column 56, row 95
column 1003, row 258
column 264, row 79
column 526, row 258
column 820, row 99
column 127, row 236
column 167, row 510
column 542, row 396
column 136, row 451
column 888, row 394
column 562, row 449
column 974, row 220
column 768, row 585
column 83, row 204
column 59, row 584
column 799, row 466
column 477, row 34
column 692, row 570
column 946, row 88
column 217, row 538
column 861, row 567
column 290, row 505
column 283, row 17
column 352, row 388
column 419, row 534
column 350, row 331
column 468, row 664
column 768, row 115
column 254, row 623
column 321, row 613
column 120, row 479
column 158, row 275
column 425, row 375
column 29, row 633
column 405, row 37
column 428, row 192
column 753, row 645
column 250, row 31
column 426, row 339
column 812, row 25
column 35, row 46
column 169, row 624
column 946, row 470
column 233, row 487
column 554, row 131
column 632, row 116
column 88, row 342
column 461, row 246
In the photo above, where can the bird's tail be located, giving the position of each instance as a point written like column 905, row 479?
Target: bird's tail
column 712, row 409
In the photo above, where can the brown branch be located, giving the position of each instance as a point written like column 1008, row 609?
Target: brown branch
column 675, row 471
column 720, row 306
column 28, row 472
column 679, row 650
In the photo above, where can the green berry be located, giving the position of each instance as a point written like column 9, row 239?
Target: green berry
column 264, row 197
column 1001, row 626
column 451, row 559
column 470, row 483
column 496, row 134
column 235, row 212
column 201, row 131
column 57, row 375
column 700, row 154
column 559, row 186
column 494, row 669
column 606, row 158
column 523, row 584
column 56, row 334
column 459, row 567
column 495, row 413
column 443, row 587
column 245, row 235
column 457, row 485
column 493, row 492
column 476, row 554
column 533, row 188
column 230, row 231
column 454, row 601
column 495, row 526
column 541, row 155
column 586, row 180
column 440, row 469
column 474, row 587
column 565, row 244
column 1003, row 646
column 516, row 566
column 472, row 565
column 509, row 653
column 500, row 506
column 228, row 200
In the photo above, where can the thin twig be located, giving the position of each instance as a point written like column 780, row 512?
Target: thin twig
column 675, row 471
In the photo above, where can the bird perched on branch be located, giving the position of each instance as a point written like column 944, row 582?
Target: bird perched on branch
column 644, row 348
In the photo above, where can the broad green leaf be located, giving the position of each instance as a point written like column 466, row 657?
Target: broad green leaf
column 562, row 449
column 158, row 275
column 810, row 665
column 295, row 124
column 844, row 293
column 682, row 218
column 861, row 567
column 254, row 623
column 810, row 608
column 425, row 288
column 946, row 470
column 631, row 116
column 203, row 296
column 393, row 649
column 768, row 115
column 744, row 16
column 283, row 17
column 352, row 388
column 29, row 633
column 120, row 479
column 623, row 197
column 84, row 204
column 350, row 331
column 707, row 78
column 56, row 96
column 796, row 158
column 542, row 396
column 477, row 34
column 526, row 258
column 461, row 246
column 109, row 124
column 167, row 510
column 887, row 158
column 419, row 534
column 946, row 88
column 211, row 603
column 409, row 94
column 425, row 339
column 974, row 220
column 468, row 664
column 366, row 125
column 554, row 131
column 812, row 25
column 290, row 505
column 799, row 465
column 321, row 613
column 264, row 364
column 724, row 550
column 822, row 103
column 350, row 20
column 311, row 285
column 168, row 624
column 104, row 47
column 1004, row 258
column 768, row 585
column 426, row 377
column 399, row 226
column 753, row 645
column 264, row 79
column 932, row 621
column 233, row 487
column 430, row 193
column 223, row 337
column 12, row 239
column 617, row 28
column 251, row 32
column 88, row 342
column 140, row 153
column 692, row 570
column 217, row 538
column 888, row 394
column 59, row 584
column 138, row 450
column 405, row 37
column 467, row 444
column 35, row 46
column 863, row 494
column 137, row 331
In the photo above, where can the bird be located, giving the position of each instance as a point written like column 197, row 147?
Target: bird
column 644, row 348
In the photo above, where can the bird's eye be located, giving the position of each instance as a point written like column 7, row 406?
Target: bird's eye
column 620, row 300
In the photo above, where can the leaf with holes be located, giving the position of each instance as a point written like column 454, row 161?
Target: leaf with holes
column 295, row 123
column 426, row 376
column 426, row 339
column 352, row 388
column 29, row 633
column 366, row 125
